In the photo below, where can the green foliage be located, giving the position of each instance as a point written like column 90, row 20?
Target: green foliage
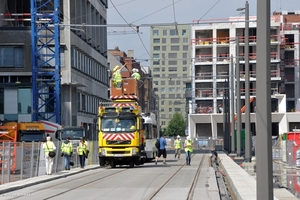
column 176, row 126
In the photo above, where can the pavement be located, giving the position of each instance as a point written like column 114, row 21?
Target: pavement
column 8, row 187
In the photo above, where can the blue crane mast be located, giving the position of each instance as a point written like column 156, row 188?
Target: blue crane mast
column 46, row 78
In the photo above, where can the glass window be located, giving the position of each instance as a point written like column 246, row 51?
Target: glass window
column 164, row 48
column 164, row 40
column 83, row 100
column 156, row 40
column 177, row 109
column 11, row 57
column 175, row 40
column 170, row 109
column 183, row 32
column 165, row 32
column 185, row 40
column 172, row 62
column 78, row 101
column 156, row 55
column 174, row 48
column 24, row 100
column 185, row 48
column 162, row 89
column 162, row 102
column 172, row 55
column 11, row 117
column 156, row 48
column 1, row 101
column 173, row 32
column 155, row 32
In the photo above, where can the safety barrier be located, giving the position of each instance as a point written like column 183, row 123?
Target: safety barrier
column 22, row 160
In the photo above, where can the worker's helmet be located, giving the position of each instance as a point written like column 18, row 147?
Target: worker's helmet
column 135, row 70
column 188, row 138
column 178, row 136
column 116, row 67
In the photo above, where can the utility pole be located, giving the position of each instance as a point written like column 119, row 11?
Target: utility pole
column 264, row 167
column 238, row 99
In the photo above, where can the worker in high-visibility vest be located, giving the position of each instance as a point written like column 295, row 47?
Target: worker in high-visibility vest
column 188, row 147
column 81, row 151
column 177, row 147
column 117, row 76
column 67, row 151
column 136, row 74
column 48, row 146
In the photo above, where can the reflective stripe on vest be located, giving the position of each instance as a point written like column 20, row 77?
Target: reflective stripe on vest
column 81, row 149
column 67, row 148
column 177, row 144
column 187, row 143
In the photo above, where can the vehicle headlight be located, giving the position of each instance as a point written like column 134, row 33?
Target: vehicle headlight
column 133, row 151
column 103, row 152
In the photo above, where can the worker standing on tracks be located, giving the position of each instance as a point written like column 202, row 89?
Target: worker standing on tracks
column 48, row 146
column 162, row 150
column 177, row 146
column 188, row 147
column 67, row 151
column 117, row 76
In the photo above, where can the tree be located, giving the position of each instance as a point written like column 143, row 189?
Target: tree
column 176, row 126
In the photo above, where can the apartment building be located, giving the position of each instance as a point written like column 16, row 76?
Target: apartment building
column 84, row 71
column 214, row 49
column 170, row 51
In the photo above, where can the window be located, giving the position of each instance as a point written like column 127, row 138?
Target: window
column 156, row 48
column 172, row 55
column 174, row 48
column 155, row 62
column 163, row 82
column 156, row 55
column 163, row 123
column 184, row 62
column 184, row 69
column 163, row 69
column 156, row 69
column 11, row 56
column 78, row 100
column 183, row 32
column 172, row 69
column 170, row 109
column 24, row 100
column 163, row 40
column 163, row 48
column 172, row 62
column 162, row 102
column 162, row 89
column 185, row 48
column 155, row 82
column 83, row 104
column 173, row 32
column 171, row 89
column 155, row 32
column 175, row 40
column 185, row 40
column 177, row 109
column 156, row 41
column 184, row 55
column 165, row 32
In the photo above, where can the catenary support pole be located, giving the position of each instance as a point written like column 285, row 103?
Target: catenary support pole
column 264, row 168
column 232, row 97
column 247, row 89
column 238, row 99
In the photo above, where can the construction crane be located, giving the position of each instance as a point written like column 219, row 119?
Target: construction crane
column 45, row 60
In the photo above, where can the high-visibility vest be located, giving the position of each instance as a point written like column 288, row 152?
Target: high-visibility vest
column 81, row 149
column 117, row 76
column 48, row 147
column 67, row 148
column 136, row 75
column 177, row 144
column 189, row 148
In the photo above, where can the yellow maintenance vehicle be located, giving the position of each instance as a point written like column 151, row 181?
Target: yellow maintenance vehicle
column 121, row 139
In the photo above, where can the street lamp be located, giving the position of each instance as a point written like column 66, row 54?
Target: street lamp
column 247, row 86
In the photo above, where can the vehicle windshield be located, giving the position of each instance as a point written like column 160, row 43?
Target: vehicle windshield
column 75, row 134
column 121, row 124
column 32, row 137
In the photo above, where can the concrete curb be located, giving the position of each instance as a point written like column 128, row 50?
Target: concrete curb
column 9, row 187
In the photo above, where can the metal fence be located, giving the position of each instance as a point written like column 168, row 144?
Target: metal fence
column 22, row 160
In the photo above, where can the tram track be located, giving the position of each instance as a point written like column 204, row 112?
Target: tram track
column 89, row 181
column 193, row 185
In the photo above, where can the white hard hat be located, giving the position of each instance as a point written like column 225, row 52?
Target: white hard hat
column 188, row 137
column 178, row 136
column 135, row 70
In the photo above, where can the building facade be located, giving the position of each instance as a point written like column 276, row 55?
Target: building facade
column 216, row 50
column 170, row 64
column 84, row 70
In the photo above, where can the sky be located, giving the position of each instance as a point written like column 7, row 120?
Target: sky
column 144, row 13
